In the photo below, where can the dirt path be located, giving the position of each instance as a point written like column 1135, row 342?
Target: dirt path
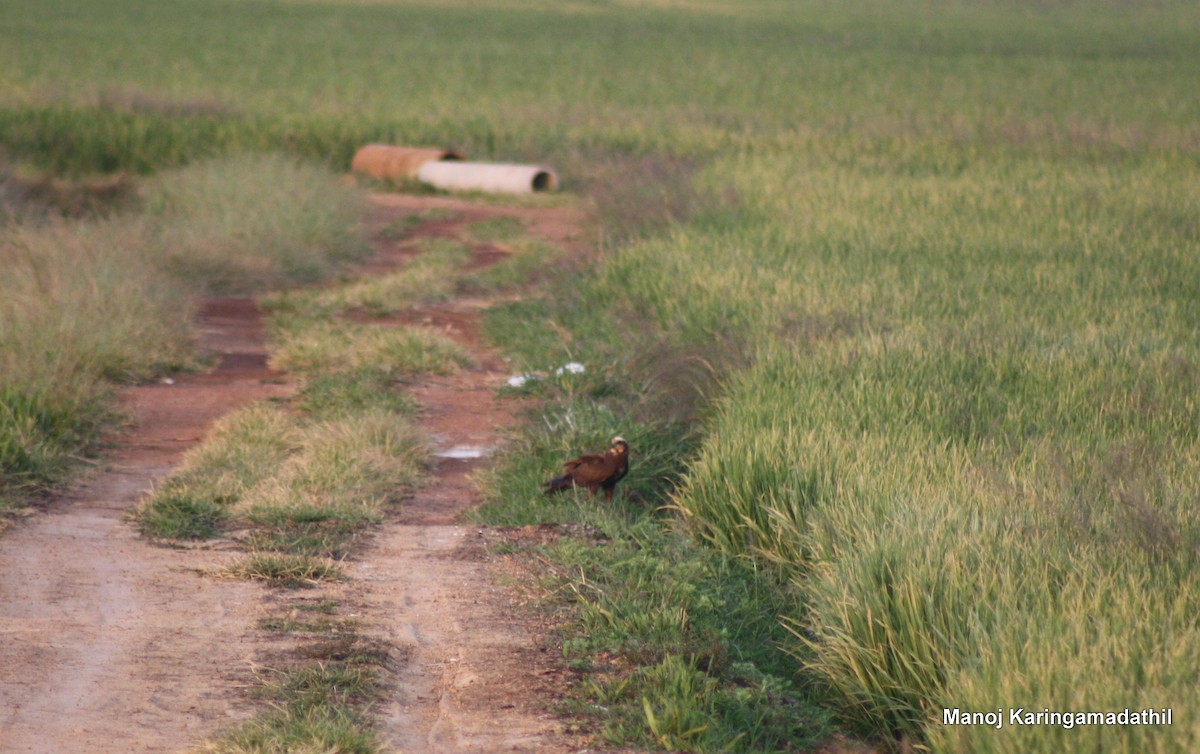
column 104, row 639
column 474, row 679
column 108, row 643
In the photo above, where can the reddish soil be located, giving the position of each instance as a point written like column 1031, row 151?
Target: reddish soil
column 111, row 643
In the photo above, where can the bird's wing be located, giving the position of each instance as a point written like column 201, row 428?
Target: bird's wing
column 593, row 470
column 589, row 459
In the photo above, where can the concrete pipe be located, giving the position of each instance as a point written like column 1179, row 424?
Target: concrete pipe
column 394, row 163
column 496, row 178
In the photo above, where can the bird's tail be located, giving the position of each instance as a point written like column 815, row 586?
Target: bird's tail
column 558, row 484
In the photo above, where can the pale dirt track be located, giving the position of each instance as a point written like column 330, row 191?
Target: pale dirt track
column 109, row 643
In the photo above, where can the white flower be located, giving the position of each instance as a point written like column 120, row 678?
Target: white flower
column 519, row 380
column 573, row 367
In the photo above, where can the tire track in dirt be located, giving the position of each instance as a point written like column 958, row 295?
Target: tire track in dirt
column 109, row 643
column 474, row 679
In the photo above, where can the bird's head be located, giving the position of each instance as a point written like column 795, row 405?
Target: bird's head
column 618, row 445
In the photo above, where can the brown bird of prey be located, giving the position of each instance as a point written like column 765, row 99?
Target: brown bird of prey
column 594, row 471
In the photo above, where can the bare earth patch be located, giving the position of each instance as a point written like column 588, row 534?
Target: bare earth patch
column 111, row 643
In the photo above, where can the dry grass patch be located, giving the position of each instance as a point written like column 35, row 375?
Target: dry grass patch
column 324, row 347
column 283, row 569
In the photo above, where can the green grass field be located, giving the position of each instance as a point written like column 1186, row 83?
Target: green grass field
column 937, row 259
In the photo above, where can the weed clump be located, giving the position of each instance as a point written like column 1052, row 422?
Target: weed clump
column 283, row 569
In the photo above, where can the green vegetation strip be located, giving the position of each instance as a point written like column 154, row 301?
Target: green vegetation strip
column 676, row 647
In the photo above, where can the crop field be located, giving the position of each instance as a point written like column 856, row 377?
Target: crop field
column 939, row 261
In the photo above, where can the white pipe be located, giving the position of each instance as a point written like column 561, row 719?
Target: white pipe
column 493, row 177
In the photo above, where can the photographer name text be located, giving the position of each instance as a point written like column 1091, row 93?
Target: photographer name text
column 1018, row 716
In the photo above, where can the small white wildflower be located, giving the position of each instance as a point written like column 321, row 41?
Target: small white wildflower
column 573, row 367
column 519, row 380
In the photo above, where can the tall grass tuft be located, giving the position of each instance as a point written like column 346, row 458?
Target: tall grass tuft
column 250, row 222
column 88, row 303
column 81, row 306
